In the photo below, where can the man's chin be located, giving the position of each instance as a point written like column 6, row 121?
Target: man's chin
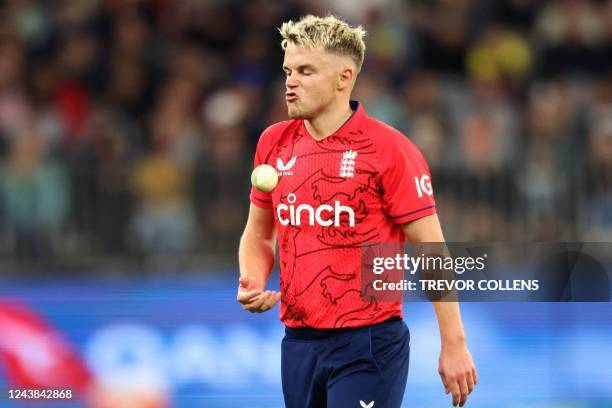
column 293, row 114
column 297, row 113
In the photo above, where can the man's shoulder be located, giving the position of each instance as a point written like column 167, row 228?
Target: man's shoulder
column 387, row 138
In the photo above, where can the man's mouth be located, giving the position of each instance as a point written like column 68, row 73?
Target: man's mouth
column 290, row 96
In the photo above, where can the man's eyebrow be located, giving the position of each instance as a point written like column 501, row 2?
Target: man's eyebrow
column 301, row 67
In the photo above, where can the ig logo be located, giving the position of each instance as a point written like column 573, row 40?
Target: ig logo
column 423, row 185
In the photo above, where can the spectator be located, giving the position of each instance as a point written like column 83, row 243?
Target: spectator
column 14, row 106
column 598, row 190
column 426, row 117
column 499, row 55
column 163, row 217
column 570, row 32
column 34, row 197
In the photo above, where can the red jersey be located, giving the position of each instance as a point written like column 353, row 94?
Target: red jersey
column 356, row 186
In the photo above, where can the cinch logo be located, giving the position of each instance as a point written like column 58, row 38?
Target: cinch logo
column 283, row 169
column 364, row 405
column 315, row 215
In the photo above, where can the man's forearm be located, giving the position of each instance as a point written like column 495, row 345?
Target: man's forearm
column 256, row 257
column 449, row 322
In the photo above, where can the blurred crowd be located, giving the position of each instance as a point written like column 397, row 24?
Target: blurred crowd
column 128, row 127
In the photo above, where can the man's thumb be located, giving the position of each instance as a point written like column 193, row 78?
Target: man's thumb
column 244, row 281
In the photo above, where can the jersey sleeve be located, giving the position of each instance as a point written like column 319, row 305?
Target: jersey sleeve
column 406, row 182
column 262, row 156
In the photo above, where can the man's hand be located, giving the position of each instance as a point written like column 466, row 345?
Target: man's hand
column 253, row 298
column 457, row 371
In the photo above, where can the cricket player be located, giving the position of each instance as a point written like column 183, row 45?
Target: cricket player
column 345, row 180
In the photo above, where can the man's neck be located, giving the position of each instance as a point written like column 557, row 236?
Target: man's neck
column 328, row 122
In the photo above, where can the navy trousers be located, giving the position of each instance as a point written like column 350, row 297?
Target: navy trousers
column 352, row 368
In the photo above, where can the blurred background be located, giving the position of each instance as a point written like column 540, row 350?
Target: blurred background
column 127, row 130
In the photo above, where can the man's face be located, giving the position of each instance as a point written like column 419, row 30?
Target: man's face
column 312, row 77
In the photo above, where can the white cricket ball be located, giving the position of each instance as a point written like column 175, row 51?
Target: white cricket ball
column 264, row 178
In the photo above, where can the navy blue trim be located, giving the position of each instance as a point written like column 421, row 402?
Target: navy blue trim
column 412, row 212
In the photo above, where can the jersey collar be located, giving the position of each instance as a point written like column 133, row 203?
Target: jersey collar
column 352, row 125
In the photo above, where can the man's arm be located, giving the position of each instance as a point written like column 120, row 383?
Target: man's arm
column 256, row 259
column 456, row 367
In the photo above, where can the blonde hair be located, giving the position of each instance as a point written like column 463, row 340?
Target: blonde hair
column 331, row 33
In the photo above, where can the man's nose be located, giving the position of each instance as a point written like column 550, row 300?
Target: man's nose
column 290, row 82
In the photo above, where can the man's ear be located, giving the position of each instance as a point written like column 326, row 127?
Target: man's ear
column 347, row 75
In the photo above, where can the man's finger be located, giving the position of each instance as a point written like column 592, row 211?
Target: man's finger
column 444, row 382
column 464, row 390
column 256, row 302
column 267, row 305
column 274, row 298
column 269, row 302
column 247, row 297
column 470, row 381
column 455, row 391
column 253, row 306
column 475, row 375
